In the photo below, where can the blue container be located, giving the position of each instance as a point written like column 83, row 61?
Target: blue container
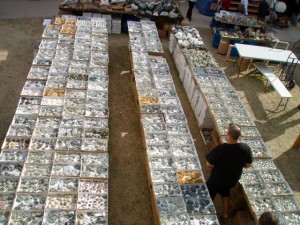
column 203, row 7
column 213, row 22
column 216, row 39
column 234, row 52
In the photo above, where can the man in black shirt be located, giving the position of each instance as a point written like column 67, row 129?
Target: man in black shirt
column 227, row 161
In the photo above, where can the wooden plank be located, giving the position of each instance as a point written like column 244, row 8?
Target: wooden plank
column 297, row 143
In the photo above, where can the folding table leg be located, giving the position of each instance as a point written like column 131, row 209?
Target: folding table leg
column 239, row 65
column 267, row 87
column 286, row 102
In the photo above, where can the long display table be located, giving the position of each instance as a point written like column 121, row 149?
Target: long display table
column 216, row 105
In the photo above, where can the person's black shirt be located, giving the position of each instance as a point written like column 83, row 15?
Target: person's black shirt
column 228, row 161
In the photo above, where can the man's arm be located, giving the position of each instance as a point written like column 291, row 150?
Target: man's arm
column 209, row 165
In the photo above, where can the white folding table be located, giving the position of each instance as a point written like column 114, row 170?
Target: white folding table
column 269, row 54
column 264, row 53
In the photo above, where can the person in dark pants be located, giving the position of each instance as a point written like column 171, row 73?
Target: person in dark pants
column 263, row 10
column 190, row 10
column 227, row 161
column 268, row 218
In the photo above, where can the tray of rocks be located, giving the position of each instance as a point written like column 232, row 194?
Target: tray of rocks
column 92, row 217
column 94, row 171
column 176, row 218
column 166, row 162
column 165, row 190
column 37, row 170
column 286, row 203
column 93, row 145
column 194, row 190
column 93, row 186
column 54, row 217
column 291, row 217
column 182, row 151
column 68, row 144
column 30, row 202
column 10, row 169
column 16, row 143
column 60, row 184
column 88, row 201
column 200, row 206
column 205, row 220
column 6, row 201
column 170, row 205
column 33, row 184
column 69, row 170
column 190, row 176
column 154, row 127
column 262, row 204
column 163, row 176
column 279, row 189
column 13, row 156
column 271, row 175
column 61, row 201
column 8, row 184
column 187, row 163
column 42, row 144
column 256, row 190
column 250, row 177
column 26, row 217
column 40, row 157
column 158, row 150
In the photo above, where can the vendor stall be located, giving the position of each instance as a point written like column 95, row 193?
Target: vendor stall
column 216, row 104
column 162, row 11
column 231, row 19
column 250, row 36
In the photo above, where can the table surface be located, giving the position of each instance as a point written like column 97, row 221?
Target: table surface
column 264, row 53
column 245, row 39
column 218, row 19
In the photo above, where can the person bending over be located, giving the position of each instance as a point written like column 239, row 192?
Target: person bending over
column 227, row 161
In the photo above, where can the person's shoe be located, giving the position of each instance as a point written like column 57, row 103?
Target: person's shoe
column 190, row 19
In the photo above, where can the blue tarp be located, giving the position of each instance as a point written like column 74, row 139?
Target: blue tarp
column 203, row 7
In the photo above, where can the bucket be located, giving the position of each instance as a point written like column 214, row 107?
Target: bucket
column 234, row 52
column 216, row 39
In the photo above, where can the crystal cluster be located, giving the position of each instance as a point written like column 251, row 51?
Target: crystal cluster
column 176, row 174
column 54, row 160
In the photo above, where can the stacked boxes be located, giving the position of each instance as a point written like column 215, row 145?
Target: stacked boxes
column 54, row 160
column 116, row 25
column 108, row 19
column 177, row 184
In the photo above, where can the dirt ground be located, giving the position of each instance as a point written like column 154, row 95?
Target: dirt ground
column 129, row 198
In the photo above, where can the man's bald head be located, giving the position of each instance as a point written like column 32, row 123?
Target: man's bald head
column 234, row 131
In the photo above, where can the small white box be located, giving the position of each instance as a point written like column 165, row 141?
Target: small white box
column 97, row 15
column 87, row 14
column 46, row 22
